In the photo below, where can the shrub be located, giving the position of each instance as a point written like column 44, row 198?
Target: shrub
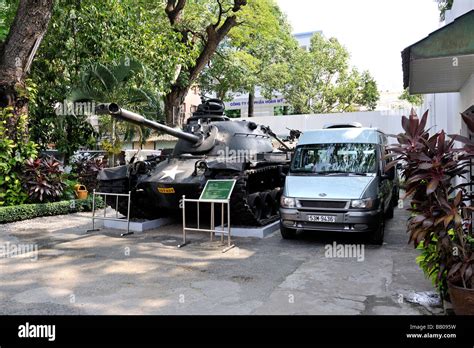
column 43, row 179
column 30, row 211
column 14, row 150
column 86, row 168
column 69, row 190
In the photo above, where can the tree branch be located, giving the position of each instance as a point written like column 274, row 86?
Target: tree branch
column 215, row 34
column 221, row 12
column 197, row 34
column 174, row 9
column 238, row 5
column 214, row 37
column 219, row 18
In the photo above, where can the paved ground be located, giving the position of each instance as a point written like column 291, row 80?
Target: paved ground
column 102, row 273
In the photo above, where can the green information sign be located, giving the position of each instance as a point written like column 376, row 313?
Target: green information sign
column 217, row 190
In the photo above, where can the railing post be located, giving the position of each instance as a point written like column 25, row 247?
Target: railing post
column 228, row 224
column 184, row 219
column 128, row 210
column 222, row 222
column 93, row 209
column 212, row 221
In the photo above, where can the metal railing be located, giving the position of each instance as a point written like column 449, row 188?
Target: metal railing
column 212, row 230
column 105, row 217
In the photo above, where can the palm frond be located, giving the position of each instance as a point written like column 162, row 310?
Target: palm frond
column 126, row 68
column 99, row 73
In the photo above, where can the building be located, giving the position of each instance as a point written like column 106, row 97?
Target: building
column 304, row 39
column 191, row 102
column 441, row 66
column 390, row 100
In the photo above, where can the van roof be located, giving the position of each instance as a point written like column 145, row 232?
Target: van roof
column 343, row 125
column 342, row 135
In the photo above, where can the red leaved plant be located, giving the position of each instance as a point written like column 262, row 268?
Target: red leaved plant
column 43, row 179
column 440, row 219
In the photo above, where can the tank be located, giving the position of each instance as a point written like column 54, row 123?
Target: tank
column 210, row 146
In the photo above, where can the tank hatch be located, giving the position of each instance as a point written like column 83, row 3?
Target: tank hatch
column 211, row 110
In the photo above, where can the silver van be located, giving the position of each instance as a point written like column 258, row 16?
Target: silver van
column 337, row 182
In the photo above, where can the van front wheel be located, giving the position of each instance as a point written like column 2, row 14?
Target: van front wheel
column 389, row 212
column 377, row 236
column 287, row 233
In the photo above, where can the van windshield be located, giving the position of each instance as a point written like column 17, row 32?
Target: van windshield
column 353, row 158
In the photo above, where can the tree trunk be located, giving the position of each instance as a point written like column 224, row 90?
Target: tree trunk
column 17, row 53
column 175, row 98
column 251, row 104
column 173, row 102
column 221, row 95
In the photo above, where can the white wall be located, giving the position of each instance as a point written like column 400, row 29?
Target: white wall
column 444, row 108
column 466, row 100
column 387, row 121
column 467, row 94
column 441, row 114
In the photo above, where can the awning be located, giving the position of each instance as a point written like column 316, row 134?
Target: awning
column 443, row 61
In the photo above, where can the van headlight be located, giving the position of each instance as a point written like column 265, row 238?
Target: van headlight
column 366, row 203
column 287, row 202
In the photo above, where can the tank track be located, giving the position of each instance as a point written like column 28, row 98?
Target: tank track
column 248, row 182
column 241, row 210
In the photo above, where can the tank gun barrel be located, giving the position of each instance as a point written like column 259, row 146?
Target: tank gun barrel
column 116, row 111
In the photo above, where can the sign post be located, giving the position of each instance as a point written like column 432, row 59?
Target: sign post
column 215, row 192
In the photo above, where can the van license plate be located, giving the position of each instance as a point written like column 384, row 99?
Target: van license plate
column 321, row 218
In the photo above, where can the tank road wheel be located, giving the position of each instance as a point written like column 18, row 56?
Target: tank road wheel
column 267, row 205
column 256, row 204
column 246, row 200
